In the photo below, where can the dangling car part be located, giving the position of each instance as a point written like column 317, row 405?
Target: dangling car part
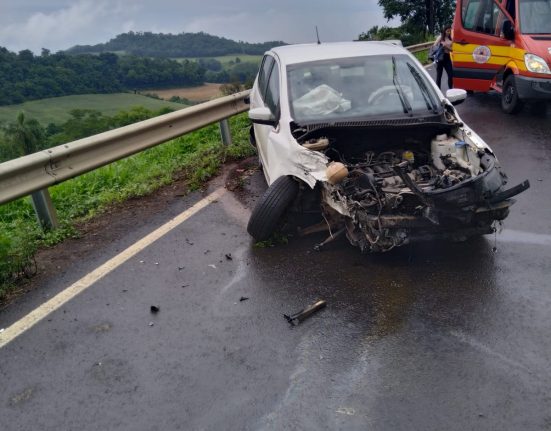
column 372, row 144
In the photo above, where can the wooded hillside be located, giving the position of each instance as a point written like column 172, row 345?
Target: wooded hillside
column 24, row 76
column 174, row 45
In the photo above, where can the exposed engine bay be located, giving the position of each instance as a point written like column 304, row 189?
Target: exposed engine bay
column 386, row 190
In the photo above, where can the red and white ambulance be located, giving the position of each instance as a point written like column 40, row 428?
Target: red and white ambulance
column 504, row 45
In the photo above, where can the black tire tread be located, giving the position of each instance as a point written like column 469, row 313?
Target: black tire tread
column 510, row 109
column 269, row 210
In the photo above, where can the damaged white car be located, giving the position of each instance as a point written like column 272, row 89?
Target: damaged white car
column 359, row 134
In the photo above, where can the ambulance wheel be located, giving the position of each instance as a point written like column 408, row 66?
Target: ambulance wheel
column 510, row 102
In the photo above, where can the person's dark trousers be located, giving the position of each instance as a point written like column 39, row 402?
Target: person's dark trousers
column 446, row 63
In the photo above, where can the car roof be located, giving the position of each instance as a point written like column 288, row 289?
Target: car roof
column 303, row 53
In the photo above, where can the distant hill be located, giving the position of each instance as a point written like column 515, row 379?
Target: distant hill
column 147, row 44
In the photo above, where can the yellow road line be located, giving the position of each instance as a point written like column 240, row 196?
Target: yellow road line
column 35, row 316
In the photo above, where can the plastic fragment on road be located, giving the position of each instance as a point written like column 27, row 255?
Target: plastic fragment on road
column 228, row 256
column 296, row 318
column 243, row 298
column 154, row 309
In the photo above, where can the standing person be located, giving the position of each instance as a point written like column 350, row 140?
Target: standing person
column 445, row 39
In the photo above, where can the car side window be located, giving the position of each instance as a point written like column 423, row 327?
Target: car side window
column 482, row 16
column 272, row 92
column 264, row 74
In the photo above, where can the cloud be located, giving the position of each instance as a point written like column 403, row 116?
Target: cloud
column 280, row 24
column 75, row 23
column 60, row 24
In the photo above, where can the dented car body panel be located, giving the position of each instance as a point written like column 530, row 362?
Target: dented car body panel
column 364, row 127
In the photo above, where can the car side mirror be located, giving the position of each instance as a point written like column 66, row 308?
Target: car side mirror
column 456, row 96
column 508, row 30
column 262, row 115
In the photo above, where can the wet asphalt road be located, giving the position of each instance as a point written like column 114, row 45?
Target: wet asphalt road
column 439, row 336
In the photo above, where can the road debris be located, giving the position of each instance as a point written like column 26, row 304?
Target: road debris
column 243, row 298
column 296, row 318
column 181, row 267
column 189, row 242
column 346, row 411
column 212, row 265
column 154, row 309
column 228, row 256
column 2, row 330
column 184, row 285
column 151, row 323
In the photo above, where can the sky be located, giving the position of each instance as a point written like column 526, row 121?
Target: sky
column 60, row 24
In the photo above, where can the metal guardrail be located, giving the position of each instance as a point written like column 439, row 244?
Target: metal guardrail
column 27, row 174
column 420, row 47
column 36, row 172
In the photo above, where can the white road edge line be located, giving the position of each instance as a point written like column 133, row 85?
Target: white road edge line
column 35, row 316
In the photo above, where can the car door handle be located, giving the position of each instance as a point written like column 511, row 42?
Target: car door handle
column 462, row 42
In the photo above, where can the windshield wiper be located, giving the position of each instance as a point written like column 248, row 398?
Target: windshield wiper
column 424, row 90
column 403, row 99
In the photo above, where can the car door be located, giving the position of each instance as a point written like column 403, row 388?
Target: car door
column 266, row 93
column 479, row 50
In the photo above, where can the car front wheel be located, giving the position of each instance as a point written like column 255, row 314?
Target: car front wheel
column 270, row 209
column 510, row 102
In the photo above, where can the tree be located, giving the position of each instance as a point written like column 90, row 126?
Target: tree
column 25, row 136
column 427, row 16
column 404, row 33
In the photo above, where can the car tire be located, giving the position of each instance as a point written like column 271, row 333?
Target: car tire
column 510, row 102
column 270, row 209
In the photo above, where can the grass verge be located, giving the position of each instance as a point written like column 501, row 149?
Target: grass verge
column 422, row 56
column 196, row 157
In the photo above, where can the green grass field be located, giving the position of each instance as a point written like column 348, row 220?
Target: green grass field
column 225, row 59
column 56, row 109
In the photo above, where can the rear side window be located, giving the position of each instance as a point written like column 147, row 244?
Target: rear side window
column 482, row 16
column 264, row 74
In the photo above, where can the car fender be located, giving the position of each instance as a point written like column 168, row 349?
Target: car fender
column 512, row 66
column 287, row 157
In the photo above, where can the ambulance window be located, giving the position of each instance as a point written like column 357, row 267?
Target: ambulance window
column 482, row 16
column 469, row 13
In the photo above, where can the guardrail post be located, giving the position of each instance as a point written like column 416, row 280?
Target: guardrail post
column 225, row 132
column 44, row 209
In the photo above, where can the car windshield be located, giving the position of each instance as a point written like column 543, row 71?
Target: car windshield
column 359, row 87
column 535, row 16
